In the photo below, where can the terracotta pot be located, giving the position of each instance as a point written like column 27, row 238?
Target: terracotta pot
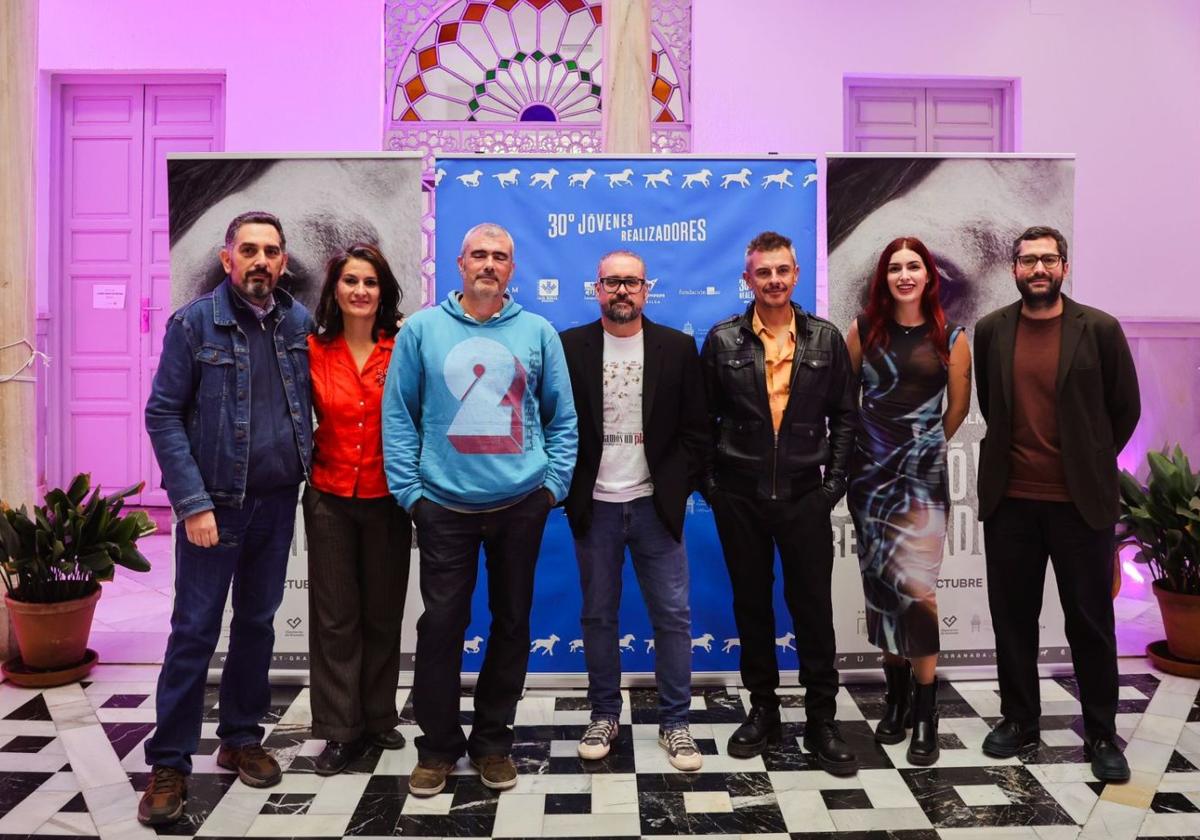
column 52, row 636
column 1181, row 620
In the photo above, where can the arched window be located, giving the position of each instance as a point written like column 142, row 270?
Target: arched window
column 518, row 76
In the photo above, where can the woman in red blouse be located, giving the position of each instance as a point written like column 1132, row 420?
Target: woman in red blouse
column 358, row 537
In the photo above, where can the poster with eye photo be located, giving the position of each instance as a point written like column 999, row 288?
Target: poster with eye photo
column 324, row 203
column 967, row 210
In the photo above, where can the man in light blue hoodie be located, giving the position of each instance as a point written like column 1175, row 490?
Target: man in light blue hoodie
column 479, row 441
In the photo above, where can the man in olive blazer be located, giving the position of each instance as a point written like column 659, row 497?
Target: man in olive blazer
column 1058, row 389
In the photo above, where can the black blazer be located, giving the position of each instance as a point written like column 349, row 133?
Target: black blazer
column 1098, row 406
column 674, row 419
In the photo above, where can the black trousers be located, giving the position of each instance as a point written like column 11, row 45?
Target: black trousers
column 1018, row 538
column 449, row 542
column 358, row 560
column 750, row 530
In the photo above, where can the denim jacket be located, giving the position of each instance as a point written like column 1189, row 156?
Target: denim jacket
column 198, row 414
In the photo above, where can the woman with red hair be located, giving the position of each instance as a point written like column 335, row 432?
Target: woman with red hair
column 915, row 372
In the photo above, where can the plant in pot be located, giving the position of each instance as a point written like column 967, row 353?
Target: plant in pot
column 1162, row 519
column 52, row 562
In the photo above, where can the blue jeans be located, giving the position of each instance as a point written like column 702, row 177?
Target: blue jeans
column 662, row 571
column 252, row 554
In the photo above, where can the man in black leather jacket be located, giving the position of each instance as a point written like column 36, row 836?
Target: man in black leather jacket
column 782, row 402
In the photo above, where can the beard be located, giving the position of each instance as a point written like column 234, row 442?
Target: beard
column 257, row 287
column 1040, row 300
column 488, row 286
column 622, row 311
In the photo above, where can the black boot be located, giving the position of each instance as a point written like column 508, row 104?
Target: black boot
column 923, row 750
column 823, row 738
column 762, row 727
column 896, row 717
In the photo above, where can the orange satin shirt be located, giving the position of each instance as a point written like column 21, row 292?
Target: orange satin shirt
column 779, row 366
column 348, row 443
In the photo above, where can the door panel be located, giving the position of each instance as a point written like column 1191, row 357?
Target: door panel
column 114, row 278
column 887, row 119
column 179, row 118
column 101, row 282
column 964, row 119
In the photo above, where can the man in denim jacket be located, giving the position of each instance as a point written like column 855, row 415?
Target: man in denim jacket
column 230, row 420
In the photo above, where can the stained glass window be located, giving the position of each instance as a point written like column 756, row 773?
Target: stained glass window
column 518, row 76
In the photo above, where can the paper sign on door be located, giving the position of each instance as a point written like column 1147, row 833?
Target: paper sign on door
column 108, row 296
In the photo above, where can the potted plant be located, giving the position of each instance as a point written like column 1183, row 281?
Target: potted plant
column 52, row 563
column 1162, row 520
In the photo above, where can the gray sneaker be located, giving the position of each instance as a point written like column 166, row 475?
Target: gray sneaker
column 681, row 748
column 597, row 739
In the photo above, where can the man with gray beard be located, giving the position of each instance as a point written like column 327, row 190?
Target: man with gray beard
column 642, row 442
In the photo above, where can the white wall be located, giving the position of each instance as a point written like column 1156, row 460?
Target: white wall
column 1114, row 81
column 300, row 75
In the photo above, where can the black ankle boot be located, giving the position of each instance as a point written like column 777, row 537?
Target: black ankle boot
column 923, row 749
column 896, row 717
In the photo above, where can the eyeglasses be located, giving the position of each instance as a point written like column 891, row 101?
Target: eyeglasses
column 631, row 284
column 1031, row 260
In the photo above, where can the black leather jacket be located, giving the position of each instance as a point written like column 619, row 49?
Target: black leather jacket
column 818, row 424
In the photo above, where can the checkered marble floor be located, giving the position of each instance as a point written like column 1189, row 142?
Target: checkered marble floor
column 71, row 765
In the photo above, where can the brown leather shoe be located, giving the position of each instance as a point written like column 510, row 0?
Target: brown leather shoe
column 429, row 777
column 496, row 771
column 162, row 803
column 253, row 764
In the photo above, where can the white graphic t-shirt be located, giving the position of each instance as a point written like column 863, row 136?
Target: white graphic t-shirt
column 624, row 473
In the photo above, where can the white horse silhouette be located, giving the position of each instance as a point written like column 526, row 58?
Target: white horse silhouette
column 620, row 179
column 576, row 646
column 700, row 178
column 471, row 179
column 580, row 179
column 472, row 645
column 546, row 646
column 704, row 641
column 742, row 178
column 544, row 179
column 653, row 179
column 785, row 641
column 507, row 179
column 730, row 644
column 780, row 178
column 626, row 642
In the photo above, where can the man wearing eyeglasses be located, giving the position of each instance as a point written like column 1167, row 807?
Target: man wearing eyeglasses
column 643, row 441
column 1058, row 389
column 783, row 408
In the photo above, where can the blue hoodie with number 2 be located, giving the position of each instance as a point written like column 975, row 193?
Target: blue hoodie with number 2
column 477, row 415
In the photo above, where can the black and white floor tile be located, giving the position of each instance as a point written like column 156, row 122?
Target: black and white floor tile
column 71, row 765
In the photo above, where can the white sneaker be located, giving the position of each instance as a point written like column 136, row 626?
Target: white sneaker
column 597, row 739
column 681, row 748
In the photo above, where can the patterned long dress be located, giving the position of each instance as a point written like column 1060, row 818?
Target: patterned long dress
column 898, row 493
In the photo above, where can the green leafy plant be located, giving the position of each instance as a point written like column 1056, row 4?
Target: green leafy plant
column 1163, row 520
column 70, row 543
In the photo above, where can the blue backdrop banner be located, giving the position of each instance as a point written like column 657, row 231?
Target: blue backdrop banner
column 690, row 218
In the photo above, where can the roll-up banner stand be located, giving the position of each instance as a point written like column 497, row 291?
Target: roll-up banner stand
column 324, row 202
column 690, row 218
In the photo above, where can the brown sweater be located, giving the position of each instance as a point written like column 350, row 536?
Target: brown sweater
column 1036, row 454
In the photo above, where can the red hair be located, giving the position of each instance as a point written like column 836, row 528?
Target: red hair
column 881, row 305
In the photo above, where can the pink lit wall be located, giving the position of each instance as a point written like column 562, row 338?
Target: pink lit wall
column 1113, row 81
column 300, row 75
